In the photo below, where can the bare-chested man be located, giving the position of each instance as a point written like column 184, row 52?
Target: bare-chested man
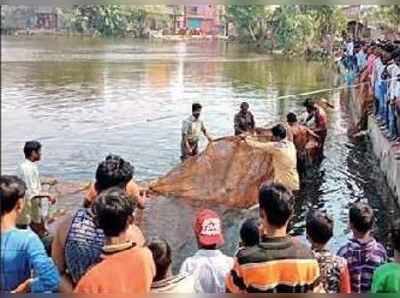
column 303, row 138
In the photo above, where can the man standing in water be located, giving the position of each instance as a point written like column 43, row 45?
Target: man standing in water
column 284, row 158
column 192, row 128
column 302, row 137
column 319, row 122
column 244, row 120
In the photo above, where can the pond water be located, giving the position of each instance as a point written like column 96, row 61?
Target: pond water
column 85, row 98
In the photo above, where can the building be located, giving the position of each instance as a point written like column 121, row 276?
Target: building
column 206, row 18
column 28, row 17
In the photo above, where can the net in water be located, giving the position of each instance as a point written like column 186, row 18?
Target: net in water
column 228, row 171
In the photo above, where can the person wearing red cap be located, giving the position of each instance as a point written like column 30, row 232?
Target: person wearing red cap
column 209, row 265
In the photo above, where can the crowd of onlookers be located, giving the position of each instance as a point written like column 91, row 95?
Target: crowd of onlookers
column 376, row 67
column 100, row 249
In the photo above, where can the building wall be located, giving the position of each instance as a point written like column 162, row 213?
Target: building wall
column 205, row 17
column 27, row 17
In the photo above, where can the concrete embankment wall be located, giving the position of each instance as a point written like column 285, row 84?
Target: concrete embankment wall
column 386, row 154
column 381, row 146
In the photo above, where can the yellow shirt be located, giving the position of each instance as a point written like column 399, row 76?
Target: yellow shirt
column 284, row 161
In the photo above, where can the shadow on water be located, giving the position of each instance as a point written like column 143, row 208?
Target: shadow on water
column 86, row 98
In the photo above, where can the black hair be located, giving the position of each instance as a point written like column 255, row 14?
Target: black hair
column 161, row 252
column 112, row 209
column 244, row 104
column 308, row 103
column 113, row 171
column 361, row 217
column 249, row 232
column 319, row 227
column 291, row 118
column 396, row 235
column 30, row 147
column 12, row 189
column 279, row 131
column 196, row 107
column 277, row 203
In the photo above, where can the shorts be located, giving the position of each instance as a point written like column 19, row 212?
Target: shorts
column 35, row 210
column 185, row 154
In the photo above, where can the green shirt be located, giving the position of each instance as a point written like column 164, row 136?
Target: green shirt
column 386, row 279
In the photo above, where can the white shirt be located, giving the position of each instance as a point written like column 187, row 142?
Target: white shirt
column 179, row 284
column 394, row 83
column 29, row 173
column 379, row 67
column 210, row 268
column 192, row 128
column 349, row 48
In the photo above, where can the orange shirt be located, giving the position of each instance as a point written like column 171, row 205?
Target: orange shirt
column 126, row 272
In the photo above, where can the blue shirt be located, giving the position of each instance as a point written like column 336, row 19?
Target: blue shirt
column 22, row 252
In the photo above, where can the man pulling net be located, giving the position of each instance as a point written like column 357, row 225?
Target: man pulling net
column 231, row 170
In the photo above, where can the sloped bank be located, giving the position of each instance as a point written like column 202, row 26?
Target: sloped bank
column 382, row 147
column 385, row 152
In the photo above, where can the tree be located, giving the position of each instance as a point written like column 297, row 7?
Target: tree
column 250, row 20
column 293, row 27
column 389, row 15
column 107, row 20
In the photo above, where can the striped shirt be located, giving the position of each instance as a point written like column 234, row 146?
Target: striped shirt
column 276, row 265
column 83, row 244
column 363, row 257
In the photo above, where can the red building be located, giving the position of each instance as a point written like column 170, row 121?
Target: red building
column 206, row 18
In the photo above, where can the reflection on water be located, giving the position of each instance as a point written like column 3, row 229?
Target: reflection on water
column 85, row 98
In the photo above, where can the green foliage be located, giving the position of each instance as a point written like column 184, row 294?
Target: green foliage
column 388, row 15
column 292, row 27
column 250, row 20
column 107, row 20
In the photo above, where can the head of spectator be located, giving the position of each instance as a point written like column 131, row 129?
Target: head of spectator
column 250, row 232
column 397, row 60
column 319, row 227
column 114, row 213
column 161, row 252
column 33, row 151
column 208, row 230
column 396, row 239
column 114, row 171
column 276, row 209
column 12, row 192
column 361, row 217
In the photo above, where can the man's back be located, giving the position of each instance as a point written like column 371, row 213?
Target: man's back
column 126, row 272
column 300, row 136
column 21, row 253
column 83, row 244
column 363, row 257
column 29, row 173
column 276, row 265
column 209, row 268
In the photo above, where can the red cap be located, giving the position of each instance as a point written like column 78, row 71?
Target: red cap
column 207, row 228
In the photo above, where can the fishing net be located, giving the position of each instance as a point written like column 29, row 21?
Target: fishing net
column 229, row 171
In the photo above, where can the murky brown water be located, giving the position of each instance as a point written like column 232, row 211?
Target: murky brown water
column 86, row 98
